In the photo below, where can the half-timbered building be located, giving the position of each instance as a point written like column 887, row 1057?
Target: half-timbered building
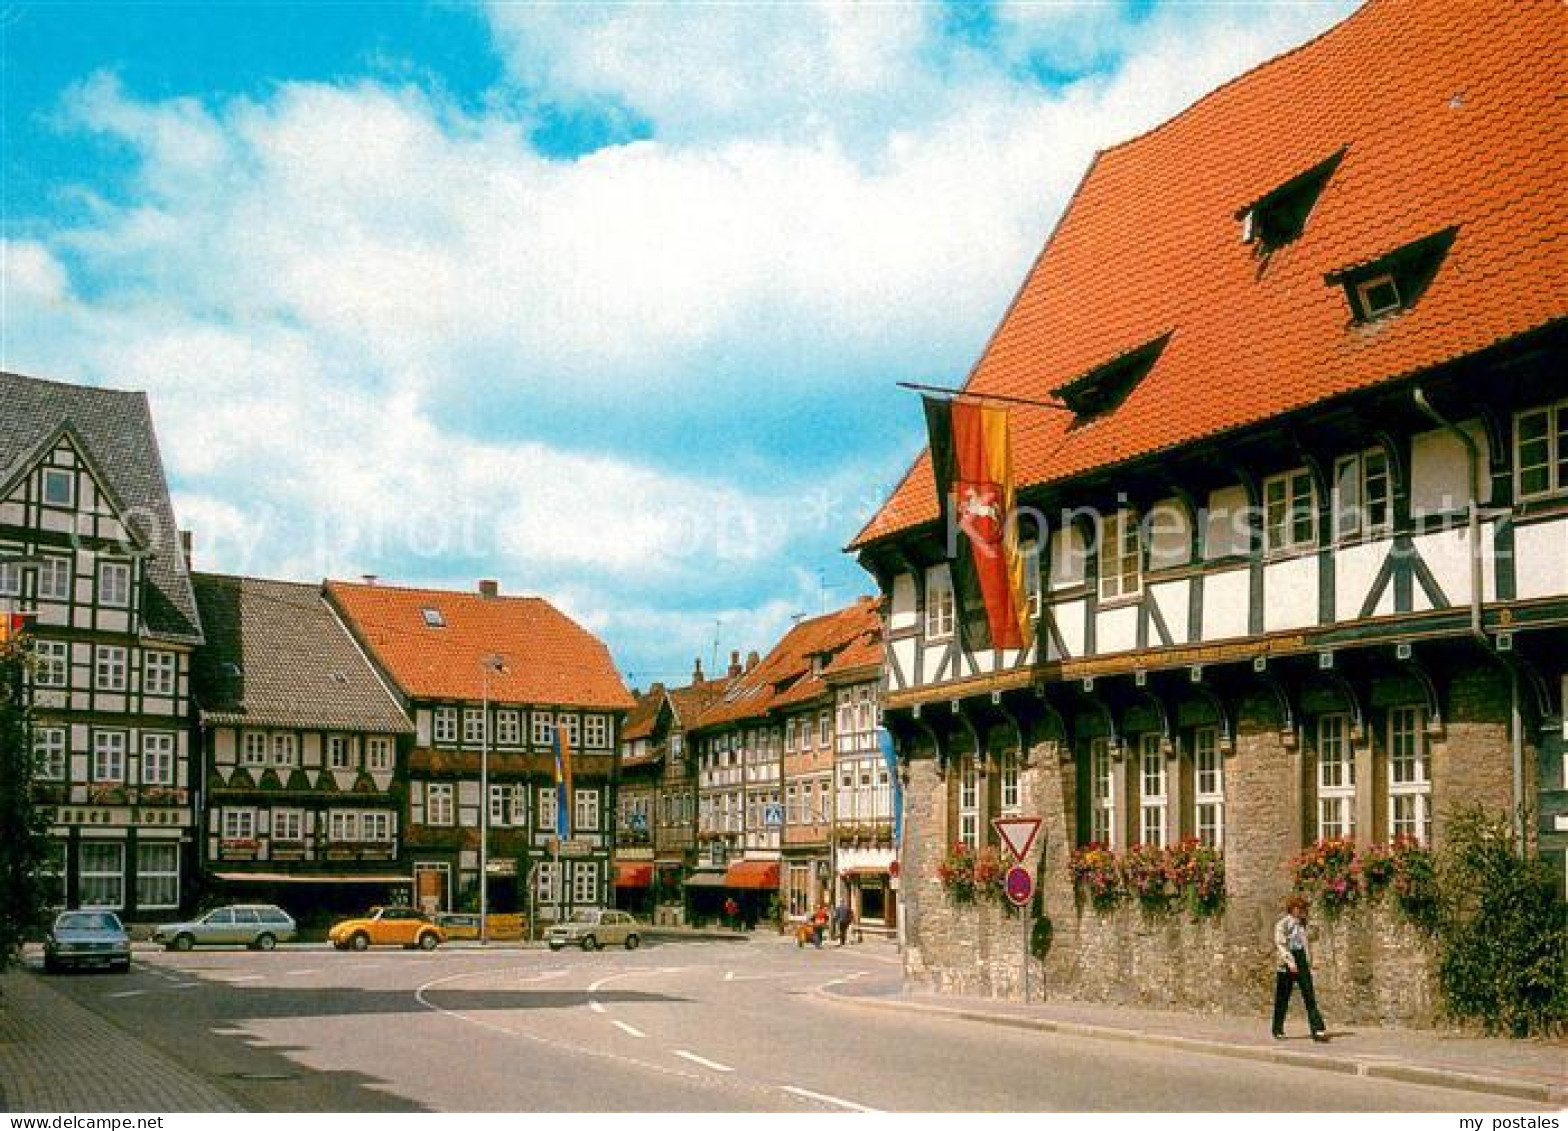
column 488, row 680
column 302, row 745
column 1292, row 459
column 91, row 559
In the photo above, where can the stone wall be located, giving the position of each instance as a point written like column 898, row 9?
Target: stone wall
column 1371, row 967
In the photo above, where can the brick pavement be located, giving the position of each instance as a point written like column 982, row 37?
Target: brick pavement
column 56, row 1056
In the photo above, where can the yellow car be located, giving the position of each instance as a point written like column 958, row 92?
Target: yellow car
column 387, row 926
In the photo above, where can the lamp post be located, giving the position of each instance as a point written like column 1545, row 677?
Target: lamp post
column 491, row 663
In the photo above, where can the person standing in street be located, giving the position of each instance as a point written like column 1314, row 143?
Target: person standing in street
column 1293, row 967
column 842, row 917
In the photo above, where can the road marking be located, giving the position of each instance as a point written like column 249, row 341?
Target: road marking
column 184, row 985
column 596, row 1006
column 629, row 1030
column 834, row 1100
column 247, row 978
column 602, row 982
column 702, row 1060
column 128, row 993
column 299, row 973
column 731, row 976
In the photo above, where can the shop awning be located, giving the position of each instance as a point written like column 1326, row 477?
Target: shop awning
column 308, row 878
column 753, row 874
column 633, row 875
column 705, row 880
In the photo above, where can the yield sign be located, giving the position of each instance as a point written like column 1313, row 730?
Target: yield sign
column 1017, row 833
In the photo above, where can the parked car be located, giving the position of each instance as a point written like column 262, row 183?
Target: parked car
column 387, row 926
column 86, row 938
column 260, row 926
column 592, row 928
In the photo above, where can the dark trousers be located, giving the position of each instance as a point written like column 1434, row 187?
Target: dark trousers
column 1283, row 980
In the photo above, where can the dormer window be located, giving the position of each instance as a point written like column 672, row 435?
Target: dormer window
column 1106, row 386
column 1280, row 216
column 1395, row 280
column 433, row 618
column 59, row 487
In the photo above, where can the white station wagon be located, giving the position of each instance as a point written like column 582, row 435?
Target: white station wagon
column 592, row 928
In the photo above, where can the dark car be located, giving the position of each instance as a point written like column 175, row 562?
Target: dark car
column 86, row 938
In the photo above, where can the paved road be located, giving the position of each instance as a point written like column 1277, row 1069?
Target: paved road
column 689, row 1026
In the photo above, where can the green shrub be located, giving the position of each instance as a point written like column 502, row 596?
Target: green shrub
column 1502, row 934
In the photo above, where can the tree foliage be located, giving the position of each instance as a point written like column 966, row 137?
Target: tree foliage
column 22, row 824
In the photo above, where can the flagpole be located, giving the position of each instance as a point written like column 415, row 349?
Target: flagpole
column 1028, row 402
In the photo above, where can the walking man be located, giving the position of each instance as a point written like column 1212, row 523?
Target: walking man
column 1292, row 967
column 842, row 917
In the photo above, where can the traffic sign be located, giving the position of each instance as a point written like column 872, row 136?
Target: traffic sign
column 773, row 815
column 892, row 869
column 1019, row 885
column 1017, row 833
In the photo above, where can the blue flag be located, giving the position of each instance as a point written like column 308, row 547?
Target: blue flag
column 563, row 785
column 890, row 760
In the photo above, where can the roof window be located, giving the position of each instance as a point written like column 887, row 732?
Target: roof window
column 1394, row 281
column 1104, row 387
column 433, row 618
column 1279, row 216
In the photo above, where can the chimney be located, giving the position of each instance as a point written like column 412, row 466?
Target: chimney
column 368, row 578
column 657, row 688
column 696, row 670
column 735, row 668
column 751, row 660
column 489, row 589
column 185, row 547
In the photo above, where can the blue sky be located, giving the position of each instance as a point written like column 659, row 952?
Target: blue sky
column 606, row 301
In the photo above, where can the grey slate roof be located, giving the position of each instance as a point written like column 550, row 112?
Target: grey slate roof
column 116, row 429
column 277, row 655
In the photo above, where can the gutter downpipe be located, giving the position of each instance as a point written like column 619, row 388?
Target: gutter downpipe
column 1515, row 715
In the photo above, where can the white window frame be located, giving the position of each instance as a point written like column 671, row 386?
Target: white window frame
column 51, row 753
column 1011, row 792
column 585, row 883
column 149, row 879
column 473, row 726
column 968, row 803
column 585, row 810
column 1103, row 824
column 108, row 760
column 160, row 673
column 110, row 878
column 596, row 733
column 110, row 665
column 542, row 729
column 546, row 879
column 1121, row 556
column 1364, row 291
column 1153, row 791
column 941, row 604
column 285, row 749
column 1335, row 777
column 444, row 725
column 339, row 752
column 380, row 755
column 573, row 726
column 343, row 826
column 253, row 748
column 1285, row 497
column 1409, row 775
column 238, row 824
column 10, row 579
column 375, row 826
column 57, row 475
column 54, row 579
column 1555, row 465
column 824, row 729
column 546, row 808
column 158, row 753
column 1208, row 781
column 53, row 660
column 508, row 728
column 114, row 584
column 288, row 824
column 500, row 806
column 1355, row 477
column 440, row 804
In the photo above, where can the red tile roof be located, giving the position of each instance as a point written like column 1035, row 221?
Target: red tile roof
column 1450, row 113
column 784, row 677
column 548, row 657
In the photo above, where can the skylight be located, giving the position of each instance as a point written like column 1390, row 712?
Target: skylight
column 1395, row 280
column 1280, row 215
column 1104, row 387
column 433, row 618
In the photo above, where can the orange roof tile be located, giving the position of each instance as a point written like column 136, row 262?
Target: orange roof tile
column 784, row 677
column 548, row 657
column 1449, row 113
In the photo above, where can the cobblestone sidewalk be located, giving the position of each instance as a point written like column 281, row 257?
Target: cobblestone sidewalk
column 56, row 1056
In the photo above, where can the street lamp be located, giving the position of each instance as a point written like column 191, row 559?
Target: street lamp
column 491, row 663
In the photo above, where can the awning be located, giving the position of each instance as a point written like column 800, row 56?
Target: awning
column 705, row 880
column 633, row 875
column 753, row 874
column 307, row 878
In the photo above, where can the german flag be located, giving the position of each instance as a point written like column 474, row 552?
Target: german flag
column 971, row 455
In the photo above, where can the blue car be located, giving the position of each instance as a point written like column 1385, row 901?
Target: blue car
column 87, row 938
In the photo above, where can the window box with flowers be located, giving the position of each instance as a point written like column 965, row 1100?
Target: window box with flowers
column 968, row 875
column 238, row 848
column 1159, row 878
column 1337, row 874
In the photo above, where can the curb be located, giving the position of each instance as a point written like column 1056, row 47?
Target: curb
column 1346, row 1066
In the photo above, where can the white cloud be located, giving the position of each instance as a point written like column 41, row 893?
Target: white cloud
column 312, row 284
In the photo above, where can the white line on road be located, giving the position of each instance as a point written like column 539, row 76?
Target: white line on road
column 298, row 973
column 629, row 1030
column 128, row 993
column 731, row 976
column 184, row 985
column 834, row 1100
column 247, row 978
column 702, row 1060
column 596, row 1006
